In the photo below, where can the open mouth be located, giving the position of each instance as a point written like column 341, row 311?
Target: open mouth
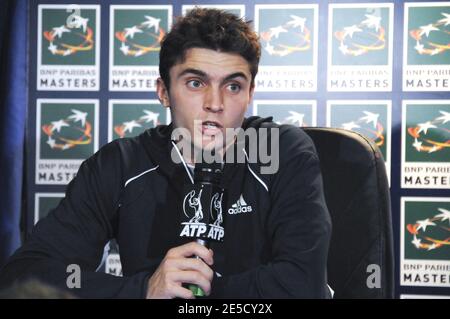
column 211, row 127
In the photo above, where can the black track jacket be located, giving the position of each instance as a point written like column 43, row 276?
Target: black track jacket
column 130, row 190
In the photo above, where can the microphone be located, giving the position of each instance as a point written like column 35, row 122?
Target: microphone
column 202, row 218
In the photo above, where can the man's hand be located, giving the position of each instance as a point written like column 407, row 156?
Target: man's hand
column 178, row 267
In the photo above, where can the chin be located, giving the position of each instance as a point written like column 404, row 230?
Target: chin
column 209, row 146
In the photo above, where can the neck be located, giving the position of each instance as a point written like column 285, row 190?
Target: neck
column 189, row 157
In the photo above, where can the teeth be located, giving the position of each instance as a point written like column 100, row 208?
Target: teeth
column 210, row 125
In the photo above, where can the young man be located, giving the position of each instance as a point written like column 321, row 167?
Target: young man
column 131, row 190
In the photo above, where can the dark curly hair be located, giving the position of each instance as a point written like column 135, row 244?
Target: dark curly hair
column 209, row 29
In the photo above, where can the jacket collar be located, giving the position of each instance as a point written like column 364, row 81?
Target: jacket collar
column 159, row 146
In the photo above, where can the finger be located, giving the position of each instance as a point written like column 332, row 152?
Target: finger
column 192, row 264
column 192, row 277
column 192, row 249
column 177, row 291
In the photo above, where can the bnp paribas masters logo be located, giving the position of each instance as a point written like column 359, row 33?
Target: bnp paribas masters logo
column 425, row 257
column 427, row 46
column 430, row 136
column 285, row 38
column 426, row 144
column 288, row 36
column 129, row 118
column 294, row 112
column 427, row 132
column 360, row 38
column 68, row 47
column 437, row 236
column 74, row 37
column 135, row 42
column 431, row 38
column 138, row 40
column 67, row 133
column 360, row 33
column 371, row 118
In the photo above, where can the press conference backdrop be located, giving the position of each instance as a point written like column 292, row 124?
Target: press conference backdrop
column 379, row 68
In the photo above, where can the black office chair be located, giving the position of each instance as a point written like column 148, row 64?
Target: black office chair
column 357, row 195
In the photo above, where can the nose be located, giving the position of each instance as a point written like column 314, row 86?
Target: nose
column 213, row 100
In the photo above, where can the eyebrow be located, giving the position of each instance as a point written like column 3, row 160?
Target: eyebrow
column 204, row 75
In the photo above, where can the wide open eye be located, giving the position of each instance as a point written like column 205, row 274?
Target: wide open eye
column 194, row 84
column 234, row 87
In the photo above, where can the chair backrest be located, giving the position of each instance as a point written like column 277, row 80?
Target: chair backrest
column 357, row 196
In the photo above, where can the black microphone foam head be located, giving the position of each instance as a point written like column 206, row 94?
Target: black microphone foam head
column 208, row 172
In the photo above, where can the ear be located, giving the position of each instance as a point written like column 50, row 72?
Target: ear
column 163, row 93
column 252, row 90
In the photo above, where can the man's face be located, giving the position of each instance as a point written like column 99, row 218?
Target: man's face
column 209, row 92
